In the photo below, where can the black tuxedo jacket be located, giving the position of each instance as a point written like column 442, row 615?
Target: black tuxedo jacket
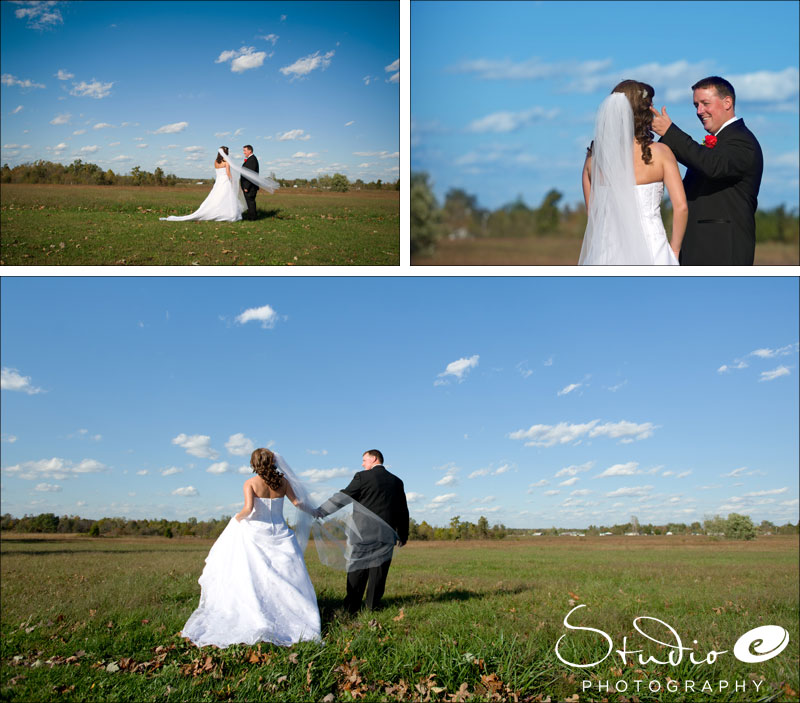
column 384, row 494
column 721, row 186
column 252, row 164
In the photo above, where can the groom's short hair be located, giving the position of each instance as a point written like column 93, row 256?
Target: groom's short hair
column 376, row 454
column 724, row 88
column 247, row 146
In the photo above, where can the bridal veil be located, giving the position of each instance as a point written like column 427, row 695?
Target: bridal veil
column 350, row 538
column 614, row 231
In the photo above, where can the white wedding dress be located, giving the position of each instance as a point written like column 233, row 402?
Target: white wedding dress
column 624, row 224
column 255, row 586
column 649, row 198
column 223, row 203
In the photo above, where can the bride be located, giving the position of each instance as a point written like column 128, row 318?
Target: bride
column 225, row 202
column 623, row 183
column 255, row 586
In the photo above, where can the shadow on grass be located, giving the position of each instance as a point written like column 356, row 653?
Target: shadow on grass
column 264, row 215
column 332, row 609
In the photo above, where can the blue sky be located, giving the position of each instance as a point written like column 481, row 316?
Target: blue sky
column 503, row 95
column 533, row 401
column 314, row 87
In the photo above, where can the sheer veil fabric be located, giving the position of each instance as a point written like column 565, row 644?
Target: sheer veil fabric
column 614, row 234
column 256, row 178
column 349, row 539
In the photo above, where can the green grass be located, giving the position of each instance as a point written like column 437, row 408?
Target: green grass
column 558, row 251
column 463, row 621
column 97, row 225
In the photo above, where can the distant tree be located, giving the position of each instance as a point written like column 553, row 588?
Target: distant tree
column 425, row 223
column 339, row 183
column 95, row 530
column 739, row 527
column 547, row 216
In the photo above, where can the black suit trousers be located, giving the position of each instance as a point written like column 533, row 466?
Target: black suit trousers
column 374, row 580
column 250, row 199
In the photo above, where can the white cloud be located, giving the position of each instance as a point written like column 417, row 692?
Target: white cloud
column 12, row 380
column 414, row 497
column 458, row 368
column 143, row 472
column 265, row 315
column 10, row 438
column 568, row 389
column 245, row 469
column 63, row 75
column 61, row 119
column 302, row 67
column 239, row 445
column 775, row 373
column 628, row 469
column 294, row 134
column 630, row 491
column 539, row 484
column 89, row 149
column 48, row 488
column 40, row 15
column 196, row 445
column 304, row 155
column 171, row 471
column 683, row 474
column 194, row 149
column 9, row 80
column 445, row 498
column 96, row 89
column 552, row 492
column 393, row 67
column 736, row 365
column 772, row 492
column 448, row 480
column 479, row 472
column 220, row 467
column 766, row 86
column 173, row 128
column 531, row 69
column 102, row 125
column 581, row 492
column 346, row 124
column 19, row 108
column 569, row 481
column 319, row 475
column 55, row 468
column 185, row 491
column 504, row 122
column 565, row 433
column 574, row 469
column 270, row 38
column 244, row 58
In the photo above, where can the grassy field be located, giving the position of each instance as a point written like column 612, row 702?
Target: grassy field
column 558, row 251
column 117, row 225
column 97, row 619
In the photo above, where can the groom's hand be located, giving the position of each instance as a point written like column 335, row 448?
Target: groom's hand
column 661, row 121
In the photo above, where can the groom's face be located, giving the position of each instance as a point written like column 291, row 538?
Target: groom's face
column 246, row 153
column 712, row 110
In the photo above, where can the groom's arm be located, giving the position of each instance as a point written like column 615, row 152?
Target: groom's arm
column 729, row 159
column 333, row 504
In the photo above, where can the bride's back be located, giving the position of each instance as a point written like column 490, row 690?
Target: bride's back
column 262, row 489
column 652, row 172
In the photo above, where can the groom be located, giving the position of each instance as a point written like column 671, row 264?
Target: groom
column 383, row 493
column 722, row 179
column 250, row 189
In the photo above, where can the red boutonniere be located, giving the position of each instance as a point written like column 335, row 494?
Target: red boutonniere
column 710, row 141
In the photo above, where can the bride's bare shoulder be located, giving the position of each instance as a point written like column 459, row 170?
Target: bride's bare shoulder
column 660, row 150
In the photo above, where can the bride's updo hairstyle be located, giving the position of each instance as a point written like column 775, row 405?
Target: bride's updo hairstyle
column 263, row 463
column 219, row 160
column 640, row 96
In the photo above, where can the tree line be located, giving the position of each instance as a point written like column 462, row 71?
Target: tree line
column 462, row 217
column 84, row 173
column 735, row 526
